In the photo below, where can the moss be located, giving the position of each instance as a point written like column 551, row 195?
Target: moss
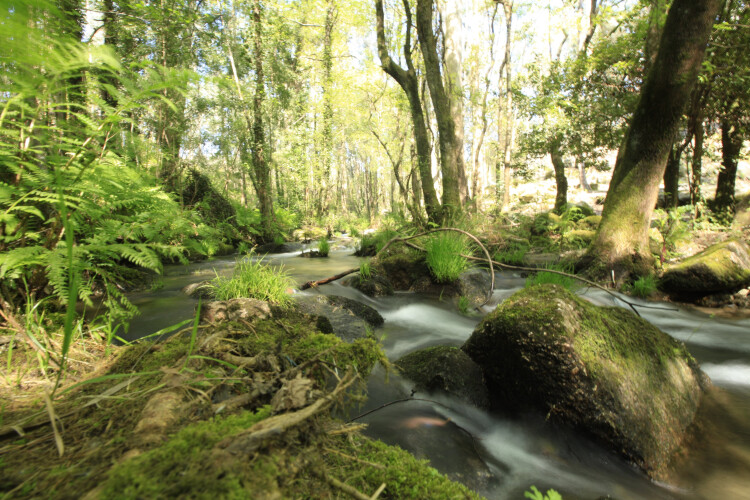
column 603, row 369
column 179, row 467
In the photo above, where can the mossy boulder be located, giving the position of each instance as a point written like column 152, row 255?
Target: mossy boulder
column 580, row 237
column 602, row 370
column 286, row 247
column 374, row 286
column 200, row 290
column 446, row 369
column 724, row 267
column 402, row 269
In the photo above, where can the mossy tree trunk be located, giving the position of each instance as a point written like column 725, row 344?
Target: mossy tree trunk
column 621, row 242
column 555, row 154
column 731, row 143
column 451, row 153
column 408, row 81
column 261, row 171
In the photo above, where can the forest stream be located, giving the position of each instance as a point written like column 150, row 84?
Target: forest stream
column 501, row 455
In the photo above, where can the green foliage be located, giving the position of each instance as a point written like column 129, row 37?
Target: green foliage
column 543, row 277
column 513, row 253
column 671, row 227
column 643, row 287
column 370, row 244
column 252, row 278
column 444, row 258
column 535, row 494
column 324, row 247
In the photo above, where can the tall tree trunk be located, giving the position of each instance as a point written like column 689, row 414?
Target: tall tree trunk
column 582, row 175
column 262, row 174
column 672, row 178
column 621, row 242
column 508, row 143
column 327, row 146
column 555, row 154
column 731, row 143
column 407, row 79
column 696, row 164
column 450, row 10
column 451, row 153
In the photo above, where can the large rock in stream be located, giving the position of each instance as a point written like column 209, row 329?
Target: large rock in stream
column 602, row 370
column 723, row 267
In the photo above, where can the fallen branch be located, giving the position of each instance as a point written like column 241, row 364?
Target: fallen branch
column 349, row 490
column 311, row 284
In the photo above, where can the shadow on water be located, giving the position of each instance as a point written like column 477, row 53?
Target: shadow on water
column 500, row 455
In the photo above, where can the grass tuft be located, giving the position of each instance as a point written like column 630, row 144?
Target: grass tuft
column 543, row 277
column 324, row 247
column 642, row 287
column 444, row 256
column 254, row 279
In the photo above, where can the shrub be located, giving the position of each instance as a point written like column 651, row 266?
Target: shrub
column 254, row 279
column 323, row 247
column 444, row 256
column 513, row 253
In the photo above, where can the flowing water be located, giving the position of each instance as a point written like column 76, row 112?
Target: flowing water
column 500, row 456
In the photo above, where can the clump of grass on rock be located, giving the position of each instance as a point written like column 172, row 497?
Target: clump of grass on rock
column 254, row 279
column 444, row 258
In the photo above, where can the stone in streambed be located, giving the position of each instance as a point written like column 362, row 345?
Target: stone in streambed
column 603, row 370
column 446, row 369
column 348, row 319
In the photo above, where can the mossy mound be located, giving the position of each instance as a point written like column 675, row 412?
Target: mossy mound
column 724, row 267
column 603, row 370
column 446, row 369
column 231, row 409
column 401, row 269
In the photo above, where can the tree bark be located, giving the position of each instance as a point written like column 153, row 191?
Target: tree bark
column 508, row 143
column 561, row 198
column 672, row 178
column 453, row 62
column 731, row 143
column 407, row 80
column 451, row 153
column 621, row 242
column 696, row 165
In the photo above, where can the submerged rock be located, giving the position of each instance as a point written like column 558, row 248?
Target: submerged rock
column 447, row 369
column 724, row 267
column 599, row 369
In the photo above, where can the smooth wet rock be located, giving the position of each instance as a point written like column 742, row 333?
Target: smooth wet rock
column 344, row 322
column 724, row 267
column 234, row 310
column 474, row 284
column 446, row 369
column 603, row 370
